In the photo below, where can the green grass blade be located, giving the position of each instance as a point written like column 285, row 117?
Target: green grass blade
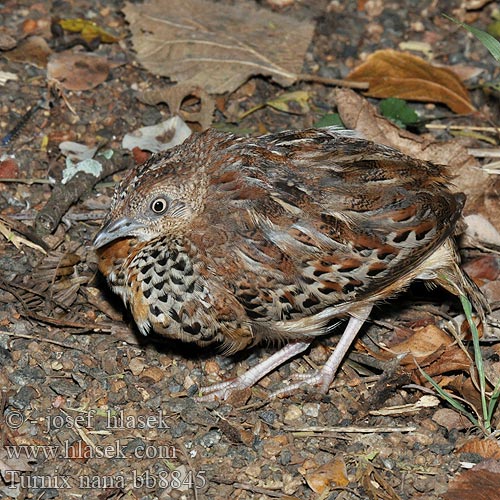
column 449, row 399
column 478, row 360
column 490, row 42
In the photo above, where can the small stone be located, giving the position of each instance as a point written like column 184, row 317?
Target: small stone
column 311, row 409
column 136, row 366
column 294, row 412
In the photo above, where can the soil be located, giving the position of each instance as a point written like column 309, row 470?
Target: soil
column 108, row 413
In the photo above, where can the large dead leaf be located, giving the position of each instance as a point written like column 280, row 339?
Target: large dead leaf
column 480, row 483
column 398, row 74
column 487, row 448
column 77, row 70
column 33, row 50
column 214, row 46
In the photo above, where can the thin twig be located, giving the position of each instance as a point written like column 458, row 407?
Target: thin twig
column 44, row 339
column 351, row 429
column 65, row 195
column 333, row 81
column 436, row 126
column 249, row 487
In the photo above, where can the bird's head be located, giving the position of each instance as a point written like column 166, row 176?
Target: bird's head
column 160, row 197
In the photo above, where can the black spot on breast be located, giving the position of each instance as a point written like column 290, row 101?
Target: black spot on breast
column 180, row 265
column 193, row 329
column 247, row 298
column 154, row 254
column 329, row 287
column 374, row 271
column 176, row 281
column 383, row 255
column 173, row 314
column 147, row 293
column 351, row 286
column 422, row 234
column 320, row 272
column 155, row 310
column 163, row 261
column 307, row 280
column 146, row 268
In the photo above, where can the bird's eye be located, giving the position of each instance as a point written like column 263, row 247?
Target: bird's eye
column 159, row 205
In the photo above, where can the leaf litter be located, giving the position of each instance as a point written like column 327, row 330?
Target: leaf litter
column 67, row 283
column 215, row 46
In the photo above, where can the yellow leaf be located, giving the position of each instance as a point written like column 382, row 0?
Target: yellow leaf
column 88, row 29
column 291, row 102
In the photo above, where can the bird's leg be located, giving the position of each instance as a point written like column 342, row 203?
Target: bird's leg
column 250, row 377
column 324, row 377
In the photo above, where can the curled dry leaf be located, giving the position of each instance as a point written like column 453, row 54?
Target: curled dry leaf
column 33, row 50
column 479, row 483
column 432, row 349
column 487, row 448
column 77, row 71
column 176, row 95
column 216, row 46
column 481, row 230
column 451, row 419
column 158, row 137
column 331, row 474
column 398, row 74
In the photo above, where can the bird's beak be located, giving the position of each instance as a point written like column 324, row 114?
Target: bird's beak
column 114, row 229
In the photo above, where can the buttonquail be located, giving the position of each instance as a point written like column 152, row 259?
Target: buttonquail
column 228, row 241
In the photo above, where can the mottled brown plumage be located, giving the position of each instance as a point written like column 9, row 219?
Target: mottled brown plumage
column 228, row 241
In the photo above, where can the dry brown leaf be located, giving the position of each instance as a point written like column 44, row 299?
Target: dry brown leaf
column 374, row 483
column 481, row 189
column 487, row 448
column 76, row 70
column 176, row 95
column 451, row 419
column 424, row 342
column 481, row 230
column 433, row 350
column 480, row 483
column 215, row 46
column 463, row 385
column 34, row 50
column 398, row 74
column 10, row 468
column 484, row 268
column 333, row 473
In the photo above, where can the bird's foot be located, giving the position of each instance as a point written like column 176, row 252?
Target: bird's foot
column 223, row 390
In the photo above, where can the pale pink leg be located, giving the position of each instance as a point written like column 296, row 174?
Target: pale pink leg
column 249, row 378
column 324, row 377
